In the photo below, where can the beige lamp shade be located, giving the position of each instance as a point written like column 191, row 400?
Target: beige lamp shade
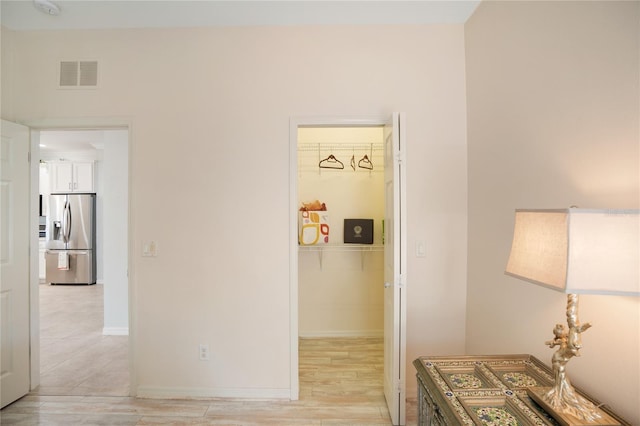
column 581, row 251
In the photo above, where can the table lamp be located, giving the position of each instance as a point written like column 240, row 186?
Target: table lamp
column 575, row 251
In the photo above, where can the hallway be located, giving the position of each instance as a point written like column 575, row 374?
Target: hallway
column 75, row 357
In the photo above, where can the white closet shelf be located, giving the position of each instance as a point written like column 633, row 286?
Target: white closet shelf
column 340, row 147
column 362, row 248
column 342, row 247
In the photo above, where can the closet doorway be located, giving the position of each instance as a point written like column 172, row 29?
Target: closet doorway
column 346, row 279
column 341, row 275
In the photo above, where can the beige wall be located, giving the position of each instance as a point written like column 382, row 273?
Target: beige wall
column 553, row 121
column 209, row 112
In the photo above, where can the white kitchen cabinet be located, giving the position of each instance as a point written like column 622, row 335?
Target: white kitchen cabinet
column 67, row 176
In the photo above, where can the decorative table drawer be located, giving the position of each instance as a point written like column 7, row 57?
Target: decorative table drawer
column 483, row 390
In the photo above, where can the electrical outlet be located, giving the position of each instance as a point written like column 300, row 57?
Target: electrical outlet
column 204, row 352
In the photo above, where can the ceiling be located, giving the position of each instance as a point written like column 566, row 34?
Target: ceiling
column 112, row 14
column 71, row 140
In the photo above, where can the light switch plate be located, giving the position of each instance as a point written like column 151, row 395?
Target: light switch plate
column 149, row 249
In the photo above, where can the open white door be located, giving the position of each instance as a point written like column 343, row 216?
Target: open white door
column 395, row 271
column 14, row 262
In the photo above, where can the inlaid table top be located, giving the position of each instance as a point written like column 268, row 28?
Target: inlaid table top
column 489, row 389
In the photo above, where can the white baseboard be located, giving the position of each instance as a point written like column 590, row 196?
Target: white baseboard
column 193, row 393
column 350, row 333
column 115, row 331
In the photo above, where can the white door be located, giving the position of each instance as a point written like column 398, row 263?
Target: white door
column 395, row 271
column 14, row 262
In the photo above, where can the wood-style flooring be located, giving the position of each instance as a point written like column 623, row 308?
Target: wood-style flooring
column 75, row 357
column 340, row 382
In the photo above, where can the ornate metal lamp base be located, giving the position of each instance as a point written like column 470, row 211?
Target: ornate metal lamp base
column 562, row 401
column 567, row 419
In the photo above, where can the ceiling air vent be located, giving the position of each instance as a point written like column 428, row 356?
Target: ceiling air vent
column 78, row 74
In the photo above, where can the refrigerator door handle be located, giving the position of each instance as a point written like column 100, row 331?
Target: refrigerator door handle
column 66, row 222
column 69, row 252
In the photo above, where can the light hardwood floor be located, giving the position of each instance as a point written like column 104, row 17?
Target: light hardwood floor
column 340, row 382
column 75, row 357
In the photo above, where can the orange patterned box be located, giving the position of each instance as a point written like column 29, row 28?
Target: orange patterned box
column 313, row 227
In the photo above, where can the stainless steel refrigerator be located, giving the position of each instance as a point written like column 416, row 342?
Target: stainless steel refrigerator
column 71, row 239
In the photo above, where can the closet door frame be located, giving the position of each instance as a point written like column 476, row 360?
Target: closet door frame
column 294, row 124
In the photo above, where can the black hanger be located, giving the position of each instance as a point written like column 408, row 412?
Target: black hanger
column 365, row 163
column 331, row 162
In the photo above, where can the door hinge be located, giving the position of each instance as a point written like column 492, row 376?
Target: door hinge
column 401, row 281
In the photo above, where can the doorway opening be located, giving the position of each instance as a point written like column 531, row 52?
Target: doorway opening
column 324, row 159
column 341, row 261
column 340, row 275
column 83, row 335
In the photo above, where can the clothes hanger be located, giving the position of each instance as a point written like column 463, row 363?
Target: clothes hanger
column 365, row 163
column 331, row 162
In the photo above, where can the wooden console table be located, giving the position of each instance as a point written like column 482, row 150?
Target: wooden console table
column 484, row 390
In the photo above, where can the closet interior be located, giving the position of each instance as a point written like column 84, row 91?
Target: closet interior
column 341, row 284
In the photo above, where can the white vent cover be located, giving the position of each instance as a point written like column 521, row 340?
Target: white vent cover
column 78, row 74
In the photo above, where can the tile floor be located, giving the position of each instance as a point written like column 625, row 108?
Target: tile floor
column 75, row 358
column 84, row 380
